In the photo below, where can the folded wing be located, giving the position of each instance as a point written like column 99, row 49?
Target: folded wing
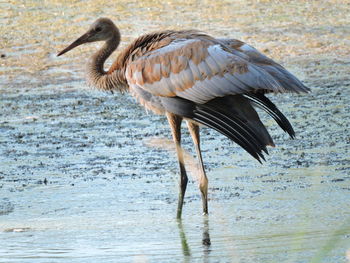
column 201, row 70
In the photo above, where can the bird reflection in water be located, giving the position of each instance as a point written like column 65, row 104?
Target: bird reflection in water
column 185, row 248
column 205, row 238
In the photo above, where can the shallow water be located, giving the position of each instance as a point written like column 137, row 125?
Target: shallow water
column 91, row 177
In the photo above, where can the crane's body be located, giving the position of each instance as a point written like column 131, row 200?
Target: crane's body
column 193, row 76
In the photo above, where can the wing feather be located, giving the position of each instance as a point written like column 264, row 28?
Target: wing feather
column 200, row 70
column 287, row 79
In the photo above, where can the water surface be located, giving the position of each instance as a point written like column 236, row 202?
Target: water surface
column 87, row 176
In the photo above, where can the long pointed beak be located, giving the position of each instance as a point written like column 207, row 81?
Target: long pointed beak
column 81, row 40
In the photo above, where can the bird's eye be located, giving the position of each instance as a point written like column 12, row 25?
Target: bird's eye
column 98, row 29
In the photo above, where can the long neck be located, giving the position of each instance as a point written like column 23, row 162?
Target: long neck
column 97, row 76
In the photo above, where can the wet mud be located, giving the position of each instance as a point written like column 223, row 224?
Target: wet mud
column 87, row 176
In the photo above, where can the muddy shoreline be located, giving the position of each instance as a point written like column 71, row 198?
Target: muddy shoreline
column 87, row 176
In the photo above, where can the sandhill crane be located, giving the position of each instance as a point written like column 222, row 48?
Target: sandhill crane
column 190, row 75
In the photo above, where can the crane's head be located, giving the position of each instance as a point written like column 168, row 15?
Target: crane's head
column 102, row 29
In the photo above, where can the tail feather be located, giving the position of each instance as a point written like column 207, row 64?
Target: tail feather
column 232, row 116
column 233, row 129
column 229, row 134
column 239, row 125
column 264, row 103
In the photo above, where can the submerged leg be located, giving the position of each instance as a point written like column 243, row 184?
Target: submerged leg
column 175, row 125
column 203, row 180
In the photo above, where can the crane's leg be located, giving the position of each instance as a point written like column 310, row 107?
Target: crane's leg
column 175, row 125
column 203, row 180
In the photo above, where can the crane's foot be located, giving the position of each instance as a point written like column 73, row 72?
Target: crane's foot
column 179, row 209
column 179, row 213
column 183, row 185
column 205, row 203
